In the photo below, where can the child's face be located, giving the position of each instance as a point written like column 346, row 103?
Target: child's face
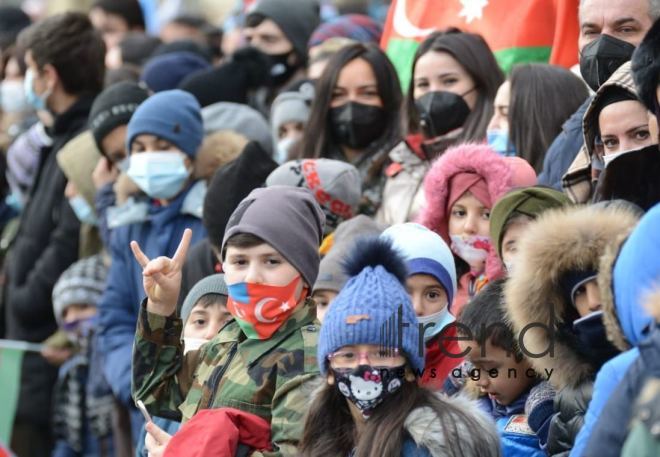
column 260, row 264
column 352, row 356
column 469, row 217
column 206, row 321
column 78, row 312
column 587, row 298
column 323, row 298
column 512, row 234
column 427, row 294
column 512, row 378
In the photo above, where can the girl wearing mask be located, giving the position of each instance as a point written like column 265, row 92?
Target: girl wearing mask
column 354, row 116
column 449, row 101
column 526, row 120
column 370, row 403
column 460, row 189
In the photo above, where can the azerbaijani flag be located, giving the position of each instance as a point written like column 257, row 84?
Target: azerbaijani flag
column 516, row 30
column 11, row 359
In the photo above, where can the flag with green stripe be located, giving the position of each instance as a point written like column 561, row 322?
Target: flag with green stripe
column 516, row 30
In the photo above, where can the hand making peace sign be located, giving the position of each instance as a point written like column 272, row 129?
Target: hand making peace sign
column 161, row 277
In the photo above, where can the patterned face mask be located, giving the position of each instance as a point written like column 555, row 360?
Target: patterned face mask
column 473, row 249
column 261, row 309
column 367, row 387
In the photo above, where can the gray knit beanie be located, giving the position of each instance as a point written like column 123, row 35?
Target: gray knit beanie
column 214, row 284
column 81, row 283
column 287, row 218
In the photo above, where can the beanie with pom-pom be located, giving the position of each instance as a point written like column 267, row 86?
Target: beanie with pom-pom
column 373, row 307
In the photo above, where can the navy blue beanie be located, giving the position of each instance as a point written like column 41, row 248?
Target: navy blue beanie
column 173, row 115
column 366, row 311
column 167, row 71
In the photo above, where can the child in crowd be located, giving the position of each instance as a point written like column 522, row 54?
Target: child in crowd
column 203, row 313
column 370, row 402
column 259, row 362
column 512, row 215
column 431, row 284
column 461, row 188
column 514, row 395
column 83, row 404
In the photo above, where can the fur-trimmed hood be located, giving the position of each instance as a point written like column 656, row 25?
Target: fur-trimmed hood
column 629, row 272
column 559, row 241
column 427, row 430
column 465, row 158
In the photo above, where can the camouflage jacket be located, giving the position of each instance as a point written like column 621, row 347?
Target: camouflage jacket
column 269, row 378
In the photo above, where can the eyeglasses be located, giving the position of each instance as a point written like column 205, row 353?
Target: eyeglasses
column 376, row 357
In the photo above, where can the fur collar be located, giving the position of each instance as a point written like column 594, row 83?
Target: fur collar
column 558, row 241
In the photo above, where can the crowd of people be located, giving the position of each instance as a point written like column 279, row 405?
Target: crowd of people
column 251, row 240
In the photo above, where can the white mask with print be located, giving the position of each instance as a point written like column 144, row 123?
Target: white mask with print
column 473, row 249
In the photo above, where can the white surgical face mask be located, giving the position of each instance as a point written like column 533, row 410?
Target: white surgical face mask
column 12, row 97
column 439, row 320
column 282, row 150
column 192, row 344
column 160, row 175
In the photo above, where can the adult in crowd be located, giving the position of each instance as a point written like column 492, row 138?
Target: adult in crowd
column 64, row 56
column 449, row 101
column 355, row 117
column 526, row 119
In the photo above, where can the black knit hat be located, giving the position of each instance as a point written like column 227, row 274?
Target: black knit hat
column 114, row 107
column 646, row 68
column 234, row 181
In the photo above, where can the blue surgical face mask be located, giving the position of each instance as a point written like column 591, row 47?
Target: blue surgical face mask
column 440, row 320
column 499, row 141
column 160, row 175
column 83, row 210
column 38, row 102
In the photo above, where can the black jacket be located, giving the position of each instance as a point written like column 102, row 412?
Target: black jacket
column 200, row 263
column 571, row 404
column 46, row 244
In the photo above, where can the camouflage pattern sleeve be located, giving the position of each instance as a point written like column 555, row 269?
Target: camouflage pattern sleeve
column 161, row 374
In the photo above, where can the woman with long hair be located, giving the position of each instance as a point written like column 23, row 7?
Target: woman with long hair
column 355, row 116
column 371, row 404
column 449, row 101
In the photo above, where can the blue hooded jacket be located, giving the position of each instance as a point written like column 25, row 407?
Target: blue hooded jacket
column 636, row 271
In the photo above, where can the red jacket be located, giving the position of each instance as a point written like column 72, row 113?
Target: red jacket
column 438, row 364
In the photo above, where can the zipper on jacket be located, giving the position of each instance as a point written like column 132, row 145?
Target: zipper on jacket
column 217, row 375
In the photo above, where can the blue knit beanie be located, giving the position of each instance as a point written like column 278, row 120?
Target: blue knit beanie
column 173, row 115
column 366, row 311
column 167, row 71
column 426, row 253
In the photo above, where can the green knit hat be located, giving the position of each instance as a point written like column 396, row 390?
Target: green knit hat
column 530, row 201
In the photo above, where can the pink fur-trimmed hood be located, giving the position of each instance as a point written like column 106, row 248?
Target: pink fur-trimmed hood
column 465, row 158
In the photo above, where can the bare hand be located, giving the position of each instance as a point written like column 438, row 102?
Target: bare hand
column 104, row 173
column 161, row 277
column 156, row 440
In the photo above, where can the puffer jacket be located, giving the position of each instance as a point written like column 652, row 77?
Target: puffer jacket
column 636, row 270
column 559, row 241
column 579, row 180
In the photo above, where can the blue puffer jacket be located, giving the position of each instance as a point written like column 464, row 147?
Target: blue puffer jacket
column 636, row 271
column 563, row 149
column 159, row 235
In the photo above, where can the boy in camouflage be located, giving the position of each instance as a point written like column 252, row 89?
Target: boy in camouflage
column 259, row 362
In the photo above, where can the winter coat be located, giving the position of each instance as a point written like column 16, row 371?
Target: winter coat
column 644, row 437
column 437, row 364
column 46, row 244
column 636, row 270
column 403, row 194
column 516, row 436
column 559, row 241
column 564, row 149
column 578, row 180
column 158, row 236
column 261, row 377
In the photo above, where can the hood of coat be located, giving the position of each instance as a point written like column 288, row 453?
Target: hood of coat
column 428, row 430
column 78, row 159
column 621, row 78
column 559, row 241
column 631, row 273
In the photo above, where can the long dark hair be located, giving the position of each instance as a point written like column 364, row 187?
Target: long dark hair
column 471, row 51
column 330, row 430
column 317, row 140
column 543, row 97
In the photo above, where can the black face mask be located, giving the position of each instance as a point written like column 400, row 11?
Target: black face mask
column 601, row 58
column 357, row 125
column 441, row 112
column 367, row 387
column 281, row 70
column 592, row 339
